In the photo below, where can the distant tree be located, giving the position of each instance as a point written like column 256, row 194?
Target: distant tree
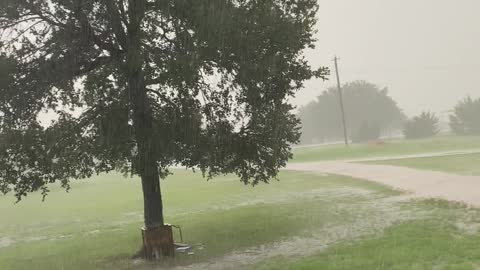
column 366, row 132
column 423, row 126
column 466, row 117
column 365, row 104
column 203, row 84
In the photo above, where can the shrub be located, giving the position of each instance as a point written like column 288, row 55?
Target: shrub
column 423, row 126
column 466, row 117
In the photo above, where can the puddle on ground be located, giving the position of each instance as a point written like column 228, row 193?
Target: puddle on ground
column 6, row 241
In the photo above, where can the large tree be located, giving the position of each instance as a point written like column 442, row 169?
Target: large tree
column 142, row 85
column 367, row 106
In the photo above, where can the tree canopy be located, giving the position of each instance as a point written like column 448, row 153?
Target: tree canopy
column 366, row 105
column 139, row 86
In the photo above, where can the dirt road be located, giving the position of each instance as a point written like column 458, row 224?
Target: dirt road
column 425, row 184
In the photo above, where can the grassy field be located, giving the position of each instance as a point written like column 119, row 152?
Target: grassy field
column 390, row 149
column 97, row 225
column 305, row 221
column 458, row 164
column 447, row 238
column 422, row 245
column 337, row 222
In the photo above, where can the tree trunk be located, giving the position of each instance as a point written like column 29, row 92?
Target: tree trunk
column 157, row 238
column 152, row 197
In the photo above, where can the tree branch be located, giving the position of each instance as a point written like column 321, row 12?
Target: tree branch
column 42, row 15
column 160, row 95
column 21, row 33
column 82, row 18
column 156, row 5
column 123, row 13
column 158, row 80
column 88, row 67
column 4, row 24
column 116, row 21
column 67, row 68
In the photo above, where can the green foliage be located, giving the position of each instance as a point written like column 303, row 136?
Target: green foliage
column 423, row 126
column 465, row 119
column 364, row 103
column 366, row 132
column 203, row 84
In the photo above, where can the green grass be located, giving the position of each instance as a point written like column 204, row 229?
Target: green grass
column 390, row 149
column 436, row 242
column 422, row 245
column 97, row 225
column 459, row 164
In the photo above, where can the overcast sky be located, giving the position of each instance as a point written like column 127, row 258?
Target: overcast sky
column 427, row 52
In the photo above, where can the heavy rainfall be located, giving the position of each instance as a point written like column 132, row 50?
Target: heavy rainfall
column 239, row 134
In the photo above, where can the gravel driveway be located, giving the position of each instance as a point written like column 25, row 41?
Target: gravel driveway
column 420, row 183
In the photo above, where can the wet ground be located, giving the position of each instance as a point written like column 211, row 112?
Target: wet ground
column 420, row 183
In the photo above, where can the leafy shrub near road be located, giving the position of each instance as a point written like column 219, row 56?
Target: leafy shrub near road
column 424, row 125
column 466, row 117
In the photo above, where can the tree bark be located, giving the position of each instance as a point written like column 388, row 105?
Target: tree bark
column 146, row 163
column 156, row 238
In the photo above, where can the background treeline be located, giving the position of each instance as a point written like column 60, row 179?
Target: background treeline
column 371, row 113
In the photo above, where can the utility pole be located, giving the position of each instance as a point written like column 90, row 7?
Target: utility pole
column 342, row 107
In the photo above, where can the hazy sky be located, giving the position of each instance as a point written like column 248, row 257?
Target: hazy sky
column 427, row 52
